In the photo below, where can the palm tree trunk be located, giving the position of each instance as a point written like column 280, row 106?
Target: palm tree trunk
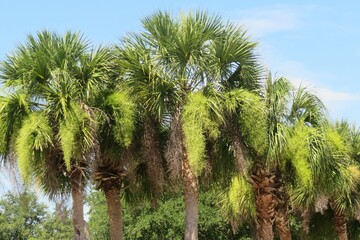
column 340, row 225
column 282, row 221
column 191, row 197
column 152, row 154
column 112, row 189
column 339, row 222
column 265, row 202
column 78, row 201
column 305, row 223
column 281, row 217
column 238, row 145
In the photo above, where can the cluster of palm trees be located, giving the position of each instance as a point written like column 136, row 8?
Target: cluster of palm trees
column 185, row 102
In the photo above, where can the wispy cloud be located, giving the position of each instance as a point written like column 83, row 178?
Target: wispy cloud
column 331, row 95
column 265, row 20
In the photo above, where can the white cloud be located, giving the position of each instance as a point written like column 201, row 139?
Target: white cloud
column 262, row 21
column 330, row 95
column 265, row 20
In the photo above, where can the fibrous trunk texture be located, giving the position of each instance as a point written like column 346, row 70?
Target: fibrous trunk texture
column 179, row 166
column 238, row 145
column 263, row 183
column 191, row 197
column 175, row 148
column 282, row 221
column 281, row 214
column 339, row 222
column 152, row 153
column 112, row 189
column 78, row 201
column 305, row 223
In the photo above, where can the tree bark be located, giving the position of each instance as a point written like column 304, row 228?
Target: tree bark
column 152, row 154
column 265, row 201
column 339, row 222
column 282, row 221
column 238, row 145
column 305, row 223
column 112, row 189
column 78, row 203
column 191, row 197
column 281, row 214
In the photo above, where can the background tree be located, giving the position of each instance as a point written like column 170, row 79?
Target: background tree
column 164, row 222
column 24, row 217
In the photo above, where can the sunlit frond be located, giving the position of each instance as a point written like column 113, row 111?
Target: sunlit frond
column 34, row 137
column 123, row 114
column 239, row 200
column 13, row 109
column 196, row 122
column 76, row 134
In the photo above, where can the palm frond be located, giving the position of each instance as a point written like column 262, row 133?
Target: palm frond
column 14, row 108
column 76, row 134
column 239, row 200
column 196, row 121
column 123, row 114
column 34, row 137
column 306, row 105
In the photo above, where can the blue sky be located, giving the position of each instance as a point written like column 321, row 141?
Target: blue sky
column 315, row 43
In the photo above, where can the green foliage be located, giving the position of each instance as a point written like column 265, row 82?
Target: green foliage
column 75, row 134
column 240, row 198
column 19, row 215
column 321, row 226
column 277, row 99
column 196, row 123
column 251, row 112
column 53, row 228
column 98, row 217
column 144, row 78
column 353, row 227
column 22, row 217
column 124, row 117
column 299, row 151
column 34, row 137
column 308, row 107
column 164, row 222
column 13, row 109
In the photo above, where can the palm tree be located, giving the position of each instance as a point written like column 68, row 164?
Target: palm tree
column 114, row 152
column 60, row 76
column 267, row 146
column 152, row 94
column 279, row 109
column 344, row 197
column 329, row 176
column 183, row 61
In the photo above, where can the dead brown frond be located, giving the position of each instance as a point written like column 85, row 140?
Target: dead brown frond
column 321, row 203
column 52, row 176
